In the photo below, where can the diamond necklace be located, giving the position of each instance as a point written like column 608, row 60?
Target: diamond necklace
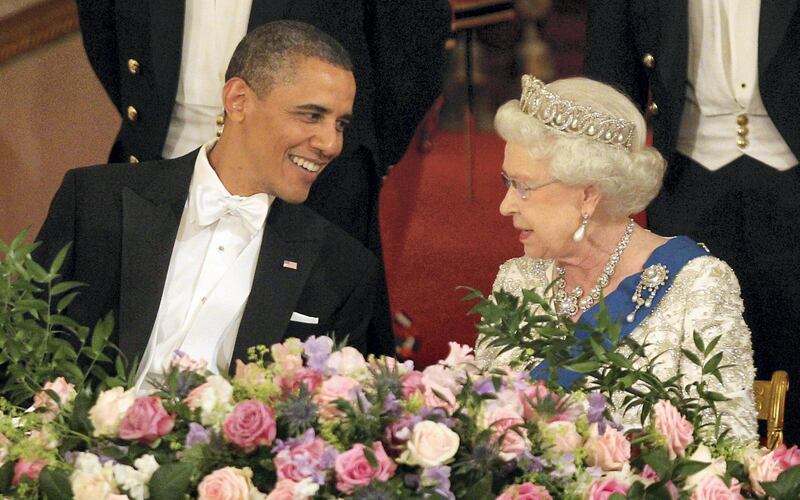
column 568, row 303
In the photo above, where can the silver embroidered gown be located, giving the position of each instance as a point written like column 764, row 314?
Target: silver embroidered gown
column 703, row 297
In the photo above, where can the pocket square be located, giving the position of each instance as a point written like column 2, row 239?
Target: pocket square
column 302, row 318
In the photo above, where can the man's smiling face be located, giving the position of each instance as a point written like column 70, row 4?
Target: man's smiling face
column 291, row 134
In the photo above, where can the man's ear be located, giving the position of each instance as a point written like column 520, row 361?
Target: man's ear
column 234, row 95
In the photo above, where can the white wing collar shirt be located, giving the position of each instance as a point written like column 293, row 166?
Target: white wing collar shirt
column 210, row 273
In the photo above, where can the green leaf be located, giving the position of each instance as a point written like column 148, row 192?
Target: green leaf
column 786, row 487
column 171, row 481
column 66, row 301
column 55, row 485
column 371, row 458
column 711, row 345
column 712, row 363
column 584, row 367
column 692, row 357
column 64, row 287
column 658, row 460
column 698, row 341
column 6, row 475
column 59, row 260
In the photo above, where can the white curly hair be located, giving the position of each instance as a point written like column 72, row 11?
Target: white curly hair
column 627, row 180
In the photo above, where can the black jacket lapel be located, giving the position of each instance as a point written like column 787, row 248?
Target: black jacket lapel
column 289, row 236
column 772, row 24
column 264, row 11
column 150, row 222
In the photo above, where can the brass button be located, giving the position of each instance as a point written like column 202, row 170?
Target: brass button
column 219, row 132
column 652, row 108
column 742, row 131
column 134, row 66
column 649, row 61
column 742, row 142
column 133, row 159
column 132, row 113
column 741, row 120
column 220, row 119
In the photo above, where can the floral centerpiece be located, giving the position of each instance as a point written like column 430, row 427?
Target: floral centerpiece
column 309, row 419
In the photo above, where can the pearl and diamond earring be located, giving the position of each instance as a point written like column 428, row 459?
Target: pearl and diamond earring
column 580, row 233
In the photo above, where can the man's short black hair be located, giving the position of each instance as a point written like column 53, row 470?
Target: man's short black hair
column 267, row 55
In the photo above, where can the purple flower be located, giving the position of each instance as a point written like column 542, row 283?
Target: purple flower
column 484, row 386
column 391, row 404
column 317, row 350
column 441, row 477
column 597, row 405
column 197, row 435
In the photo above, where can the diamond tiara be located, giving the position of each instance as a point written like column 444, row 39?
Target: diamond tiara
column 564, row 116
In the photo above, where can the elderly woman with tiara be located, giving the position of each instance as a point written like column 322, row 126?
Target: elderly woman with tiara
column 576, row 166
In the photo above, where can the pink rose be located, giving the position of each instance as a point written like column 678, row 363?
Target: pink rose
column 185, row 363
column 508, row 431
column 764, row 468
column 460, row 357
column 297, row 463
column 64, row 390
column 713, row 488
column 564, row 435
column 228, row 483
column 304, row 377
column 336, row 387
column 602, row 489
column 146, row 420
column 284, row 490
column 609, row 451
column 412, row 383
column 433, row 398
column 250, row 425
column 533, row 395
column 397, row 434
column 31, row 470
column 674, row 427
column 353, row 468
column 525, row 491
column 788, row 457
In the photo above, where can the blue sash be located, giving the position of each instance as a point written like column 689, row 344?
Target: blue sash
column 674, row 254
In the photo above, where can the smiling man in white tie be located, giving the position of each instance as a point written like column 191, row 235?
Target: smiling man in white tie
column 210, row 253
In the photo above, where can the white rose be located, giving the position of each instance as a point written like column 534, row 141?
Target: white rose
column 135, row 481
column 348, row 362
column 107, row 412
column 564, row 436
column 431, row 445
column 214, row 398
column 90, row 480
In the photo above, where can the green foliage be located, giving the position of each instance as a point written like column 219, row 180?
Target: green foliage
column 171, row 481
column 611, row 364
column 786, row 487
column 38, row 342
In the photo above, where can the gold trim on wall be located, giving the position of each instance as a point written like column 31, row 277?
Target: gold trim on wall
column 34, row 26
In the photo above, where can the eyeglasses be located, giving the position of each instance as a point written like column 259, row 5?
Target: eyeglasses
column 522, row 188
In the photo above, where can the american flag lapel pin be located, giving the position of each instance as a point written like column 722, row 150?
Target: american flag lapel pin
column 290, row 264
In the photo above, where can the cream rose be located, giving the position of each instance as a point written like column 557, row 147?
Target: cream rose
column 90, row 480
column 609, row 451
column 563, row 435
column 431, row 445
column 214, row 398
column 348, row 362
column 107, row 412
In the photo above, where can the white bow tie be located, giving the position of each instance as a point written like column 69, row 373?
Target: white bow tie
column 212, row 204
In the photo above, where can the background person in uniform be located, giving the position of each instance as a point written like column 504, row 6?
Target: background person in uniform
column 162, row 64
column 212, row 253
column 721, row 80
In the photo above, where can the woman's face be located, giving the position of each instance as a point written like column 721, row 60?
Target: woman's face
column 548, row 218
